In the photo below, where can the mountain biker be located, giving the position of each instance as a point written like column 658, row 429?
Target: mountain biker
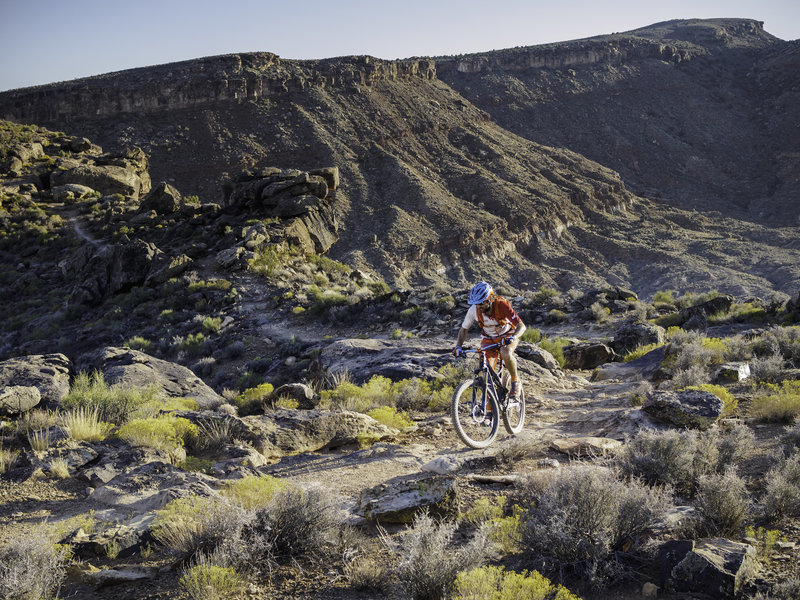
column 499, row 323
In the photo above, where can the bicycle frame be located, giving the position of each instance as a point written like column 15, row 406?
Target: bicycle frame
column 491, row 378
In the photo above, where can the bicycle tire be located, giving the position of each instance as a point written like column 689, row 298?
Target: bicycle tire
column 468, row 418
column 514, row 413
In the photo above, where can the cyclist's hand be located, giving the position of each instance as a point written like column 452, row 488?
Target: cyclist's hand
column 458, row 351
column 509, row 341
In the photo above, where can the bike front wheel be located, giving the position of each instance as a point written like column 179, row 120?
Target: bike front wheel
column 514, row 413
column 476, row 422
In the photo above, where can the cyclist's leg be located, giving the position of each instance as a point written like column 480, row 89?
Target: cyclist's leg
column 510, row 362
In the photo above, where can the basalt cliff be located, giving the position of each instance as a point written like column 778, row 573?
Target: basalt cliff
column 661, row 157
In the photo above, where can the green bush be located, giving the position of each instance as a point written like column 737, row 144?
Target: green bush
column 210, row 582
column 212, row 324
column 555, row 346
column 114, row 404
column 139, row 343
column 777, row 403
column 494, row 583
column 546, row 295
column 254, row 491
column 389, row 416
column 531, row 335
column 254, row 398
column 166, row 432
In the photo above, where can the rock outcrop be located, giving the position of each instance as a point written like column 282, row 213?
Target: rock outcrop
column 48, row 373
column 127, row 367
column 695, row 409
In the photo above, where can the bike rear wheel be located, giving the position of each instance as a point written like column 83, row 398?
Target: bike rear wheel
column 477, row 427
column 514, row 414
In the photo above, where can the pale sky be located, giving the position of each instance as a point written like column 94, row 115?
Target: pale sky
column 44, row 41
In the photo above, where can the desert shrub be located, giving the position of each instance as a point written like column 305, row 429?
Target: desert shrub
column 694, row 375
column 723, row 503
column 784, row 341
column 32, row 567
column 212, row 324
column 765, row 539
column 504, row 531
column 777, row 403
column 675, row 458
column 729, row 402
column 577, row 520
column 531, row 335
column 735, row 445
column 793, row 435
column 35, row 420
column 252, row 399
column 84, row 424
column 555, row 346
column 324, row 300
column 494, row 583
column 296, row 524
column 389, row 416
column 430, row 559
column 767, row 368
column 546, row 295
column 599, row 312
column 555, row 315
column 212, row 582
column 7, row 459
column 254, row 491
column 664, row 297
column 196, row 523
column 166, row 432
column 782, row 494
column 139, row 343
column 268, row 259
column 40, row 440
column 115, row 404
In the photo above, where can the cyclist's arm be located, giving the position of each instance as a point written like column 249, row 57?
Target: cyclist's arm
column 518, row 333
column 462, row 337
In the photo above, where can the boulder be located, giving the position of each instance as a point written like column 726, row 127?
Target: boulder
column 733, row 371
column 401, row 501
column 535, row 354
column 164, row 199
column 18, row 399
column 588, row 355
column 637, row 333
column 695, row 317
column 71, row 191
column 285, row 432
column 127, row 367
column 300, row 392
column 106, row 179
column 695, row 409
column 49, row 373
column 107, row 270
column 645, row 367
column 715, row 567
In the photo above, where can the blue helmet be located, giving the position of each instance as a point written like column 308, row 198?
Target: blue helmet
column 479, row 293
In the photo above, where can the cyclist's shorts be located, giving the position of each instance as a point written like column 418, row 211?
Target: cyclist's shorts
column 494, row 352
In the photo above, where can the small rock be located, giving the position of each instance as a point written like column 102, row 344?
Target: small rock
column 649, row 590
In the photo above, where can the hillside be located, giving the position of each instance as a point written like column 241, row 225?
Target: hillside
column 452, row 172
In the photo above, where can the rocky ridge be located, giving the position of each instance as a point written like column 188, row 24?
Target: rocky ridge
column 451, row 173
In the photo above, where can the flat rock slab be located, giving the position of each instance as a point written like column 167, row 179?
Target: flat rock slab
column 401, row 501
column 715, row 566
column 586, row 446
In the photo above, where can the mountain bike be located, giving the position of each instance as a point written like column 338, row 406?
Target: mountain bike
column 479, row 402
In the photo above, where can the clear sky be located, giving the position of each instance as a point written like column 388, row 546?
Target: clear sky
column 44, row 41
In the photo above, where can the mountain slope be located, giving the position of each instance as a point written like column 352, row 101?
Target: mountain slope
column 465, row 168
